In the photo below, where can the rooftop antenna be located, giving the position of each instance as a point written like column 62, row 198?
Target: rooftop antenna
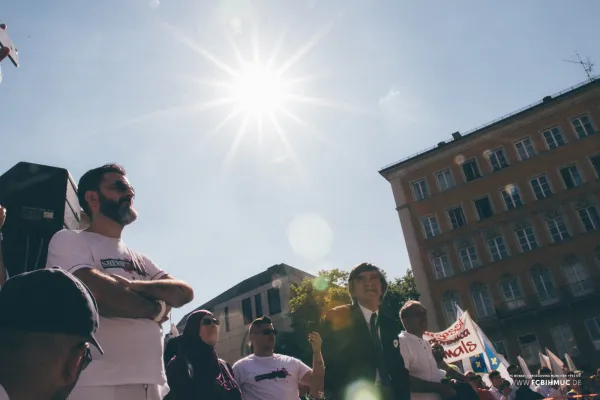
column 588, row 65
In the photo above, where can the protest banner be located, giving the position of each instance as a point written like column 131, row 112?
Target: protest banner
column 459, row 341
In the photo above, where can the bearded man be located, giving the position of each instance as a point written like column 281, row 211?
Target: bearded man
column 134, row 296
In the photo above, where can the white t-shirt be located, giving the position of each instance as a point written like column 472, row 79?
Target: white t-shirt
column 269, row 378
column 133, row 348
column 419, row 361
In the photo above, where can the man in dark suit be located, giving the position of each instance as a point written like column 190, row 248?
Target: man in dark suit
column 360, row 344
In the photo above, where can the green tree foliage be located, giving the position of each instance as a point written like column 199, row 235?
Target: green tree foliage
column 314, row 297
column 400, row 290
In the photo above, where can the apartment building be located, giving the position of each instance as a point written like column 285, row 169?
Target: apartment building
column 266, row 293
column 505, row 222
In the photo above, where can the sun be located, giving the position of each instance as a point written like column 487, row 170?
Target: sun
column 262, row 93
column 258, row 90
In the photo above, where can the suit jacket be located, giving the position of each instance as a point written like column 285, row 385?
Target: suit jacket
column 349, row 354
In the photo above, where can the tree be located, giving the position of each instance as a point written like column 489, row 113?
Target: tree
column 309, row 302
column 314, row 297
column 400, row 290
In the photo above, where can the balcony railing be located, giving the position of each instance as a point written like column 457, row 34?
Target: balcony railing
column 562, row 295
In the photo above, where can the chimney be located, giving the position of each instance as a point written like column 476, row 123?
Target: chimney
column 440, row 144
column 547, row 99
column 456, row 135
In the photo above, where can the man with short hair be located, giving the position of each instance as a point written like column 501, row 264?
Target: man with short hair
column 361, row 343
column 134, row 296
column 426, row 373
column 47, row 323
column 500, row 390
column 264, row 375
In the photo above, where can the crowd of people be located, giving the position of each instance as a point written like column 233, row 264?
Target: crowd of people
column 89, row 327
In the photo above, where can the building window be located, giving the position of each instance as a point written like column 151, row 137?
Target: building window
column 595, row 160
column 513, row 297
column 590, row 219
column 553, row 138
column 512, row 197
column 482, row 300
column 500, row 348
column 450, row 300
column 226, row 312
column 441, row 265
column 583, row 126
column 483, row 207
column 420, row 190
column 445, row 180
column 526, row 238
column 593, row 328
column 541, row 187
column 468, row 257
column 524, row 149
column 258, row 305
column 571, row 176
column 471, row 170
column 430, row 226
column 457, row 217
column 497, row 159
column 497, row 248
column 557, row 228
column 564, row 340
column 247, row 310
column 274, row 301
column 544, row 286
column 578, row 278
column 530, row 348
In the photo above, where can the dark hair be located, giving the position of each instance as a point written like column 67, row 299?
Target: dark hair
column 544, row 371
column 91, row 181
column 364, row 267
column 408, row 307
column 264, row 320
column 493, row 374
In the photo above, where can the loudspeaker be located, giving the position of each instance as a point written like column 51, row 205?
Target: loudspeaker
column 40, row 200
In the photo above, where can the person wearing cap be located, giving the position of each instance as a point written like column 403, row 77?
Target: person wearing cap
column 360, row 344
column 134, row 296
column 48, row 320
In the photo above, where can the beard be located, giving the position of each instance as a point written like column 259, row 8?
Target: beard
column 119, row 211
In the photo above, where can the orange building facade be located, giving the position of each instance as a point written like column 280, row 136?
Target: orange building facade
column 505, row 222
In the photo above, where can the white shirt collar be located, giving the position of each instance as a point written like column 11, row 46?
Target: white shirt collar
column 411, row 336
column 367, row 313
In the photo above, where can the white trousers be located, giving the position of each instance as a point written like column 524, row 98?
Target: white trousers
column 119, row 392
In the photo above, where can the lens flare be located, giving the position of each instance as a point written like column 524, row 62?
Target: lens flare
column 320, row 283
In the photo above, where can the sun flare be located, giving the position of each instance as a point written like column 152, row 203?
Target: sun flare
column 258, row 90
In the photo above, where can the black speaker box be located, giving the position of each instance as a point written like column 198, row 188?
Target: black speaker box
column 39, row 201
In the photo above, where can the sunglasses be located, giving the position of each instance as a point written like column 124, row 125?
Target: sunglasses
column 121, row 187
column 86, row 359
column 269, row 331
column 210, row 321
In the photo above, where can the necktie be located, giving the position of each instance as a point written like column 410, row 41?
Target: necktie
column 379, row 360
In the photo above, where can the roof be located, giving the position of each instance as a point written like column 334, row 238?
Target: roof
column 248, row 285
column 581, row 87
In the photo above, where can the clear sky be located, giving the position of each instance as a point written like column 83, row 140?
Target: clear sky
column 292, row 174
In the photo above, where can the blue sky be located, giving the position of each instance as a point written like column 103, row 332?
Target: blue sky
column 370, row 82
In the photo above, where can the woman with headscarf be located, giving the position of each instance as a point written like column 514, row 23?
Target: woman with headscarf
column 196, row 373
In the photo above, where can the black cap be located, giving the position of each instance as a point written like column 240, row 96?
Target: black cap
column 49, row 300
